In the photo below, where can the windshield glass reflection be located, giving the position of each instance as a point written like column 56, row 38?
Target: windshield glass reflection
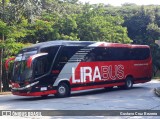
column 20, row 71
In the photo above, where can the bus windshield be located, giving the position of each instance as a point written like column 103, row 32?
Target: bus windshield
column 20, row 70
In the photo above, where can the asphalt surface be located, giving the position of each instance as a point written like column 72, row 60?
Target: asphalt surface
column 140, row 97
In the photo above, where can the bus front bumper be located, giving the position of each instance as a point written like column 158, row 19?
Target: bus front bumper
column 32, row 90
column 19, row 93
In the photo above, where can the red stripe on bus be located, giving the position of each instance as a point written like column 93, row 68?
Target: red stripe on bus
column 97, row 86
column 35, row 93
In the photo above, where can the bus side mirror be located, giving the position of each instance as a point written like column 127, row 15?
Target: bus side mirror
column 7, row 62
column 29, row 62
column 31, row 58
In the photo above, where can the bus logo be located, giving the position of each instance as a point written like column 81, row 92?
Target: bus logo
column 89, row 74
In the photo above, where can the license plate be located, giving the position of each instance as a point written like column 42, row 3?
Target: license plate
column 43, row 88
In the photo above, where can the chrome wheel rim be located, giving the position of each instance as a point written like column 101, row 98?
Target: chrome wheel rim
column 61, row 90
column 129, row 83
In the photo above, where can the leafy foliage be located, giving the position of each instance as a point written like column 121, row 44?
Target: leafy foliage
column 32, row 21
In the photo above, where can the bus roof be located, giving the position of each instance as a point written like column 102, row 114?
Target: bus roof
column 62, row 42
column 105, row 44
column 81, row 43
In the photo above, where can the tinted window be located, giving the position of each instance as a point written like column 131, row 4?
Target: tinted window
column 41, row 66
column 116, row 54
column 66, row 53
column 107, row 54
column 51, row 53
column 140, row 53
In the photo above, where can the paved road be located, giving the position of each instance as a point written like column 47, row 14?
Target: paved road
column 141, row 97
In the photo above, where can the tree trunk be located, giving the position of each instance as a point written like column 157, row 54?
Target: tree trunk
column 1, row 55
column 1, row 66
column 5, row 80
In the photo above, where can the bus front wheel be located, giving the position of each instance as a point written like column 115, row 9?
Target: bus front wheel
column 63, row 90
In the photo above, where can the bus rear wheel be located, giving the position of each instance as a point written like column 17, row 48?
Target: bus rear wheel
column 63, row 90
column 128, row 83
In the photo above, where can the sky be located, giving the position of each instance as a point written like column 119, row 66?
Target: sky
column 119, row 2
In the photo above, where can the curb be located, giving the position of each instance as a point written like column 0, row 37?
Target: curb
column 5, row 93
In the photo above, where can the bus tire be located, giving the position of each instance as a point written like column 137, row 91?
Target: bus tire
column 128, row 83
column 63, row 90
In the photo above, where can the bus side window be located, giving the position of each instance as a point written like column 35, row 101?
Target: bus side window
column 90, row 57
column 140, row 53
column 97, row 54
column 99, row 58
column 106, row 55
column 63, row 59
column 41, row 66
column 51, row 52
column 64, row 56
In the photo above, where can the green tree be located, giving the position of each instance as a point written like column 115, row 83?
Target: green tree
column 94, row 24
column 11, row 48
column 66, row 28
column 40, row 31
